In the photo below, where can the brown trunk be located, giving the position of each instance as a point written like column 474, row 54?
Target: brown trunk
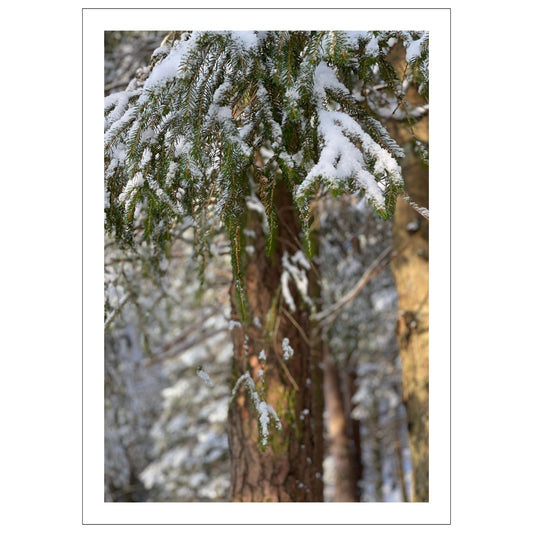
column 354, row 431
column 289, row 467
column 343, row 445
column 411, row 272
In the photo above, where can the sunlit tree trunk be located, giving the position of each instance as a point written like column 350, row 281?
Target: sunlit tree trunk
column 411, row 273
column 289, row 467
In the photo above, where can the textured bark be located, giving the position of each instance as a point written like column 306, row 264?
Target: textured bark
column 290, row 467
column 411, row 272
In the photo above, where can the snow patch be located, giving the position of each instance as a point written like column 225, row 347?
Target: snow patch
column 204, row 376
column 248, row 39
column 288, row 352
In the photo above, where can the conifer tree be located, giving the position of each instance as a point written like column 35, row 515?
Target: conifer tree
column 243, row 131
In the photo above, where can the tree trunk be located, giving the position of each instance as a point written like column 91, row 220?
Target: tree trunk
column 354, row 431
column 343, row 436
column 411, row 272
column 289, row 467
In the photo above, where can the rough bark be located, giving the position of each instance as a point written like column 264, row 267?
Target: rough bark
column 411, row 272
column 289, row 468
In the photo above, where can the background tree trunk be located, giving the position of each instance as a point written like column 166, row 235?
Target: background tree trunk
column 343, row 434
column 290, row 467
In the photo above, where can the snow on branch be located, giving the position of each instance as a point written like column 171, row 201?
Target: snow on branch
column 420, row 210
column 288, row 352
column 292, row 271
column 266, row 415
column 349, row 156
column 340, row 159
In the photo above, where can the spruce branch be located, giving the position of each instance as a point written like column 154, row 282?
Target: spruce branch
column 230, row 120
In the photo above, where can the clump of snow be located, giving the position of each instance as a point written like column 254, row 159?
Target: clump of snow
column 204, row 376
column 325, row 78
column 354, row 37
column 295, row 269
column 146, row 157
column 372, row 47
column 414, row 47
column 287, row 296
column 288, row 352
column 234, row 324
column 169, row 67
column 248, row 39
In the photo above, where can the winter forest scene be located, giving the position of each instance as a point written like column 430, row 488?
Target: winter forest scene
column 266, row 271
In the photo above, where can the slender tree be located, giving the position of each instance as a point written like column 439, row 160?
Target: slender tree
column 244, row 130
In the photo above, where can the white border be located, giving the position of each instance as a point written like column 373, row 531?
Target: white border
column 95, row 510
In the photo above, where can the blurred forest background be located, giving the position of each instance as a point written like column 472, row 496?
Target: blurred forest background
column 168, row 351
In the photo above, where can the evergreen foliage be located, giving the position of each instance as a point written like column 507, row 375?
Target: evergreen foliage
column 224, row 117
column 224, row 123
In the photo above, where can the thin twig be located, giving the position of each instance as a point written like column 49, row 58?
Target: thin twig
column 329, row 314
column 420, row 210
column 184, row 346
column 116, row 311
column 287, row 373
column 297, row 326
column 191, row 329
